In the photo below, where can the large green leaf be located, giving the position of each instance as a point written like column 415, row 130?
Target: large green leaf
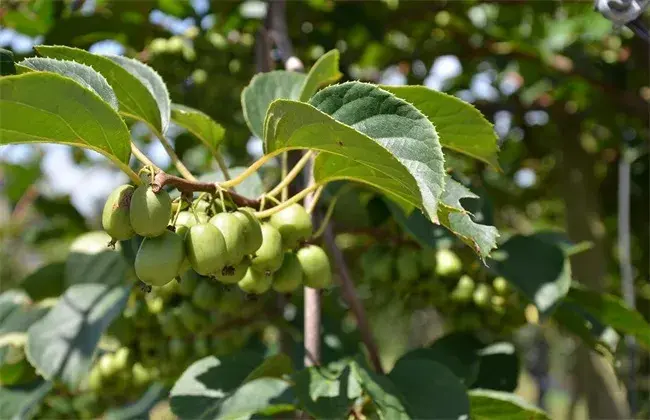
column 85, row 75
column 46, row 282
column 481, row 238
column 19, row 402
column 49, row 108
column 135, row 99
column 371, row 137
column 536, row 267
column 324, row 71
column 91, row 261
column 612, row 310
column 61, row 345
column 382, row 392
column 199, row 124
column 265, row 88
column 275, row 366
column 429, row 389
column 495, row 405
column 265, row 396
column 461, row 127
column 326, row 393
column 573, row 319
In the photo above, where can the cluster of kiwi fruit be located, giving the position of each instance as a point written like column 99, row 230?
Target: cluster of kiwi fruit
column 228, row 246
column 468, row 296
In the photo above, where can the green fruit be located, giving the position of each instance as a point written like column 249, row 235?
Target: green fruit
column 159, row 259
column 206, row 296
column 482, row 295
column 141, row 376
column 234, row 235
column 94, row 379
column 377, row 264
column 252, row 229
column 255, row 282
column 187, row 218
column 289, row 277
column 501, row 286
column 149, row 211
column 121, row 358
column 498, row 304
column 232, row 275
column 408, row 266
column 447, row 263
column 201, row 347
column 463, row 290
column 115, row 218
column 107, row 365
column 317, row 272
column 268, row 258
column 468, row 321
column 189, row 280
column 178, row 348
column 192, row 318
column 206, row 249
column 170, row 324
column 294, row 224
column 202, row 206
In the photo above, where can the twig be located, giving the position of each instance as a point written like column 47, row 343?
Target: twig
column 351, row 298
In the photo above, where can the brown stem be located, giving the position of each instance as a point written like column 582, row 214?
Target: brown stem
column 351, row 298
column 185, row 187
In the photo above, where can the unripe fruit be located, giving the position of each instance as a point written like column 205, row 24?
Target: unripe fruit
column 140, row 374
column 268, row 258
column 255, row 282
column 170, row 324
column 234, row 274
column 107, row 366
column 294, row 224
column 189, row 280
column 501, row 286
column 150, row 212
column 115, row 218
column 447, row 263
column 94, row 379
column 178, row 348
column 289, row 277
column 407, row 266
column 482, row 295
column 252, row 229
column 206, row 248
column 192, row 318
column 159, row 259
column 377, row 264
column 317, row 272
column 206, row 296
column 201, row 206
column 121, row 358
column 233, row 233
column 463, row 290
column 187, row 218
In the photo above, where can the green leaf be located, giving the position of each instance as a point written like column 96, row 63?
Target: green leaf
column 204, row 385
column 499, row 367
column 7, row 66
column 199, row 124
column 33, row 111
column 61, row 345
column 371, row 137
column 265, row 88
column 574, row 320
column 495, row 405
column 135, row 99
column 381, row 391
column 20, row 402
column 429, row 389
column 461, row 127
column 481, row 238
column 463, row 362
column 10, row 300
column 560, row 239
column 273, row 367
column 417, row 225
column 152, row 81
column 139, row 409
column 324, row 72
column 612, row 310
column 266, row 396
column 251, row 187
column 46, row 282
column 91, row 261
column 326, row 393
column 85, row 75
column 19, row 178
column 536, row 267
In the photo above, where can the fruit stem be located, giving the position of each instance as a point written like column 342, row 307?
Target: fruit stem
column 285, row 169
column 296, row 198
column 249, row 171
column 288, row 177
column 314, row 200
column 182, row 169
column 222, row 165
column 142, row 157
column 327, row 217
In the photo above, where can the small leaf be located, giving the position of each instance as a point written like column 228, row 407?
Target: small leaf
column 324, row 72
column 251, row 187
column 275, row 366
column 381, row 391
column 85, row 75
column 481, row 238
column 429, row 389
column 46, row 282
column 199, row 124
column 461, row 127
column 152, row 81
column 265, row 88
column 7, row 66
column 61, row 345
column 91, row 261
column 326, row 393
column 537, row 268
column 612, row 311
column 19, row 402
column 33, row 111
column 141, row 408
column 495, row 405
column 135, row 99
